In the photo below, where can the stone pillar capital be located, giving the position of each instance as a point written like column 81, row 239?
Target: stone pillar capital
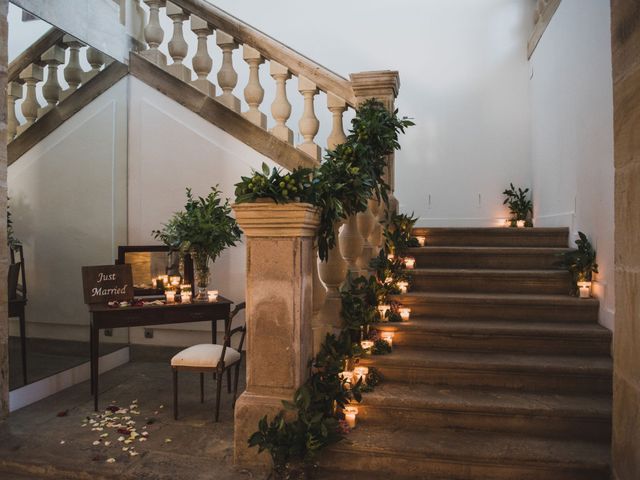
column 277, row 220
column 381, row 84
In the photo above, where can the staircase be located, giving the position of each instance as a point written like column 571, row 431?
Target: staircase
column 500, row 374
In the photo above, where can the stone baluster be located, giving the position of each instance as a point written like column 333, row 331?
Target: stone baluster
column 351, row 244
column 308, row 124
column 73, row 72
column 14, row 93
column 375, row 238
column 52, row 58
column 178, row 47
column 31, row 75
column 319, row 296
column 202, row 61
column 337, row 106
column 96, row 59
column 366, row 221
column 227, row 76
column 281, row 108
column 253, row 92
column 153, row 33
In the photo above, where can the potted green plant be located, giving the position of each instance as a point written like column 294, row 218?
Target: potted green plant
column 204, row 229
column 520, row 206
column 581, row 263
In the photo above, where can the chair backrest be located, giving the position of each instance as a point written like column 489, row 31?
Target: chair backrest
column 229, row 332
column 12, row 280
column 20, row 286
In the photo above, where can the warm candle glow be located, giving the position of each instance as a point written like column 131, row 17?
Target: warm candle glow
column 154, row 282
column 213, row 295
column 383, row 309
column 185, row 296
column 391, row 257
column 585, row 289
column 387, row 337
column 366, row 344
column 421, row 240
column 405, row 313
column 361, row 373
column 350, row 414
column 520, row 223
column 409, row 263
column 403, row 286
column 170, row 296
column 503, row 222
column 175, row 280
column 347, row 376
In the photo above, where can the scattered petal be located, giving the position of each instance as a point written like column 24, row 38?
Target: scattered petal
column 111, row 460
column 128, row 441
column 63, row 413
column 133, row 454
column 104, row 435
column 167, row 440
column 62, row 442
column 121, row 439
column 142, row 439
column 107, row 443
column 97, row 442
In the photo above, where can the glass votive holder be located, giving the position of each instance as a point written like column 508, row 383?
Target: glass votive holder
column 212, row 295
column 170, row 295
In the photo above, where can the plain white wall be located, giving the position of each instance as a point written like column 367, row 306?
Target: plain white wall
column 68, row 200
column 171, row 148
column 572, row 132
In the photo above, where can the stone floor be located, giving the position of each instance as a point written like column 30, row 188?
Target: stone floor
column 47, row 440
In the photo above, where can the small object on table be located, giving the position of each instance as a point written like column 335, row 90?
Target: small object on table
column 185, row 297
column 170, row 295
column 213, row 295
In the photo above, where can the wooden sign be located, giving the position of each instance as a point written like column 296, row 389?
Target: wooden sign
column 106, row 283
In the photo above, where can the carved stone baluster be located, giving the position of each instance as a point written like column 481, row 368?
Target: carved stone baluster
column 202, row 61
column 14, row 93
column 253, row 92
column 375, row 238
column 178, row 47
column 227, row 76
column 337, row 107
column 332, row 273
column 319, row 295
column 308, row 124
column 351, row 244
column 52, row 58
column 73, row 72
column 31, row 75
column 96, row 59
column 281, row 108
column 153, row 33
column 366, row 222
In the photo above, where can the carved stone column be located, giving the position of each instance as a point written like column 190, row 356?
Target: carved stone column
column 351, row 243
column 51, row 89
column 227, row 76
column 202, row 61
column 366, row 222
column 153, row 33
column 178, row 47
column 382, row 85
column 279, row 298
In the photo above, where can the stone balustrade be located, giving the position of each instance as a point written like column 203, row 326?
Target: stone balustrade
column 51, row 74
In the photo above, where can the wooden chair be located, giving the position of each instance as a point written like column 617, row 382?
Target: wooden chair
column 17, row 289
column 211, row 358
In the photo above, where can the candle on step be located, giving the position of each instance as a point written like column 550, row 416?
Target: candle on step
column 585, row 289
column 350, row 414
column 170, row 295
column 520, row 223
column 360, row 373
column 403, row 286
column 366, row 344
column 383, row 309
column 421, row 240
column 405, row 313
column 347, row 377
column 391, row 257
column 387, row 337
column 213, row 295
column 409, row 263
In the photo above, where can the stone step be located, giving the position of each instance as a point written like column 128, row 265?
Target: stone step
column 464, row 455
column 517, row 371
column 568, row 338
column 491, row 281
column 495, row 237
column 425, row 407
column 498, row 306
column 517, row 258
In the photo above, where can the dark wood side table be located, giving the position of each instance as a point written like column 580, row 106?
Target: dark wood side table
column 103, row 316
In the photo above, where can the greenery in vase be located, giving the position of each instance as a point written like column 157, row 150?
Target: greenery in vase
column 519, row 203
column 281, row 188
column 580, row 262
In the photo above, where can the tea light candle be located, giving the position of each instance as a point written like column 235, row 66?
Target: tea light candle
column 185, row 297
column 585, row 289
column 403, row 286
column 170, row 295
column 350, row 414
column 391, row 257
column 154, row 282
column 405, row 313
column 387, row 337
column 383, row 309
column 175, row 280
column 409, row 263
column 421, row 240
column 347, row 377
column 361, row 373
column 520, row 223
column 165, row 279
column 366, row 344
column 213, row 295
column 503, row 222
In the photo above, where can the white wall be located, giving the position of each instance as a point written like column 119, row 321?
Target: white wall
column 68, row 200
column 171, row 148
column 572, row 132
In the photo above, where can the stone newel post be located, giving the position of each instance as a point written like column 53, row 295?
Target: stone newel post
column 279, row 298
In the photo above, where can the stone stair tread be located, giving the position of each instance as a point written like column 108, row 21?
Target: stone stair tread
column 470, row 446
column 482, row 361
column 450, row 272
column 497, row 400
column 497, row 298
column 489, row 250
column 497, row 327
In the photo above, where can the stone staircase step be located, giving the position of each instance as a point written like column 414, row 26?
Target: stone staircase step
column 465, row 455
column 491, row 281
column 425, row 407
column 495, row 237
column 525, row 372
column 568, row 338
column 518, row 258
column 500, row 306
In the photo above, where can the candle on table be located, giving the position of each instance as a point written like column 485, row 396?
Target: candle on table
column 175, row 280
column 403, row 286
column 154, row 282
column 350, row 414
column 170, row 295
column 585, row 289
column 361, row 373
column 387, row 337
column 409, row 263
column 421, row 240
column 185, row 297
column 405, row 313
column 213, row 295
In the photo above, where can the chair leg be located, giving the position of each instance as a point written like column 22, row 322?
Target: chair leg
column 229, row 381
column 175, row 394
column 218, row 391
column 201, row 387
column 235, row 385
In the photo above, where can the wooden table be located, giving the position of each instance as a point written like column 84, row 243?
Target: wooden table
column 103, row 316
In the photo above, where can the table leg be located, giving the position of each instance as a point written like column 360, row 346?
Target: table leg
column 214, row 331
column 95, row 358
column 23, row 345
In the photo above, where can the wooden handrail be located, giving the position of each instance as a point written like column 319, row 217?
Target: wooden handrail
column 33, row 53
column 298, row 64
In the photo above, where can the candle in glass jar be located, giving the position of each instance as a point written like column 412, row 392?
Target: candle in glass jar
column 185, row 296
column 366, row 344
column 361, row 373
column 175, row 280
column 383, row 309
column 520, row 223
column 409, row 263
column 350, row 414
column 170, row 295
column 213, row 295
column 154, row 282
column 585, row 289
column 403, row 286
column 347, row 377
column 405, row 313
column 387, row 337
column 421, row 240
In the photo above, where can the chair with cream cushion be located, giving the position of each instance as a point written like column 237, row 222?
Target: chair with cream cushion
column 207, row 358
